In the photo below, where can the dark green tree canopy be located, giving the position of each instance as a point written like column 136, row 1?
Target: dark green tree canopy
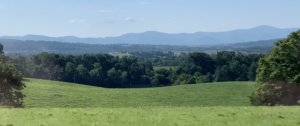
column 11, row 85
column 284, row 61
column 278, row 74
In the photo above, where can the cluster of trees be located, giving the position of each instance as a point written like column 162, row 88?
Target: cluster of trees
column 224, row 66
column 200, row 67
column 159, row 58
column 97, row 70
column 278, row 74
column 132, row 71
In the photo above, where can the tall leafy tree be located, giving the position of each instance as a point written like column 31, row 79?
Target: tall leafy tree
column 278, row 74
column 222, row 74
column 202, row 60
column 11, row 84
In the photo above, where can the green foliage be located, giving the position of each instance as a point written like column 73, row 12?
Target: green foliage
column 203, row 78
column 235, row 66
column 252, row 71
column 11, row 86
column 164, row 67
column 137, row 69
column 96, row 70
column 202, row 60
column 184, row 79
column 155, row 82
column 283, row 62
column 266, row 94
column 277, row 71
column 222, row 74
column 224, row 66
column 163, row 76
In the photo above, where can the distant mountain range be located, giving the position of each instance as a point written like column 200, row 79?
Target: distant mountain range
column 260, row 43
column 263, row 32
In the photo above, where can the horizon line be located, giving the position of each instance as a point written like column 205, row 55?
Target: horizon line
column 146, row 32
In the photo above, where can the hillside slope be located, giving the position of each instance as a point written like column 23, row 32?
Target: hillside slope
column 261, row 43
column 43, row 93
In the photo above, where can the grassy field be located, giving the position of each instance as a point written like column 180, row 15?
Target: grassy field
column 52, row 103
column 179, row 52
column 166, row 67
column 43, row 93
column 121, row 54
column 152, row 116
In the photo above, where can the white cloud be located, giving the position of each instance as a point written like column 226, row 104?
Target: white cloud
column 143, row 3
column 106, row 11
column 81, row 21
column 72, row 21
column 128, row 19
column 76, row 21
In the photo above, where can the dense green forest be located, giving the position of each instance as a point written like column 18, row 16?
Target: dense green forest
column 94, row 64
column 137, row 70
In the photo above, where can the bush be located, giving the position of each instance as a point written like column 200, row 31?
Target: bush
column 154, row 82
column 203, row 78
column 184, row 79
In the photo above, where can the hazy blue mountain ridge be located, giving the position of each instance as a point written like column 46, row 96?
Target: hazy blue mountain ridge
column 263, row 32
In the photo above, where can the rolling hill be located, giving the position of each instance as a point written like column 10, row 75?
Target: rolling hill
column 52, row 103
column 53, row 94
column 263, row 32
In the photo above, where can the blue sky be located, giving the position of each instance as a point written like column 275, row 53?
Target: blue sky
column 104, row 18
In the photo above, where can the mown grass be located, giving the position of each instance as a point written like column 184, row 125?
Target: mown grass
column 44, row 93
column 152, row 116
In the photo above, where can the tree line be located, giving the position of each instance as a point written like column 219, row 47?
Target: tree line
column 104, row 70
